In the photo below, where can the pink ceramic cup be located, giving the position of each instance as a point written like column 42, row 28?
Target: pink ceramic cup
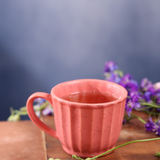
column 84, row 129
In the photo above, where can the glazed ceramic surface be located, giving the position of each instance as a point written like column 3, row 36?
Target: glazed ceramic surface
column 84, row 129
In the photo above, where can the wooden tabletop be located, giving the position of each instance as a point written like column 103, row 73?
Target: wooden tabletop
column 21, row 140
column 24, row 141
column 134, row 130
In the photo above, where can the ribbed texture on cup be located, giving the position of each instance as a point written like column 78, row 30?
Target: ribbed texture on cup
column 88, row 131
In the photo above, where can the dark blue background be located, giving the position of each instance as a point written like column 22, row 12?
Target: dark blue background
column 43, row 43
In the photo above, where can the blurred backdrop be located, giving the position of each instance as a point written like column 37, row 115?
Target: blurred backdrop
column 43, row 43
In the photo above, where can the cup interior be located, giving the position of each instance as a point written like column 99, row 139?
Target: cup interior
column 89, row 85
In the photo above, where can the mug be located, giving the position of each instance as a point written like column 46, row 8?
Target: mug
column 88, row 128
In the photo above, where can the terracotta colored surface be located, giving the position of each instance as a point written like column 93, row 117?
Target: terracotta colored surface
column 21, row 141
column 132, row 131
column 84, row 129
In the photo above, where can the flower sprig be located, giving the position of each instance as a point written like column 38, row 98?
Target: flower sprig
column 41, row 107
column 145, row 98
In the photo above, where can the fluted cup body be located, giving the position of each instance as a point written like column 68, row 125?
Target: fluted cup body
column 88, row 129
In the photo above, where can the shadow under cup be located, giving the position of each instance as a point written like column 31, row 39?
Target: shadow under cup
column 87, row 129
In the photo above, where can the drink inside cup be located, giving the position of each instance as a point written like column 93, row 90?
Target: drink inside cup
column 90, row 97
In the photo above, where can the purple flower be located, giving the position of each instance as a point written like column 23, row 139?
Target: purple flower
column 129, row 83
column 147, row 96
column 158, row 131
column 39, row 100
column 135, row 100
column 157, row 128
column 157, row 92
column 110, row 66
column 156, row 96
column 113, row 77
column 132, row 102
column 125, row 79
column 158, row 100
column 137, row 106
column 133, row 96
column 48, row 110
column 129, row 107
column 150, row 125
column 154, row 127
column 147, row 85
column 112, row 73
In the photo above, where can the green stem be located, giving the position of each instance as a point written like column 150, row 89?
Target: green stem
column 127, row 118
column 11, row 110
column 138, row 118
column 20, row 112
column 42, row 106
column 135, row 141
column 147, row 112
column 150, row 105
column 24, row 112
column 75, row 157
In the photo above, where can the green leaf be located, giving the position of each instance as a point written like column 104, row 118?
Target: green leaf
column 157, row 154
column 23, row 108
column 14, row 118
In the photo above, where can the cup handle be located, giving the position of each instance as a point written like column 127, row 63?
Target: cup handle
column 33, row 116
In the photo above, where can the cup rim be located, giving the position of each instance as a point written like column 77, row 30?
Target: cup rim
column 90, row 104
